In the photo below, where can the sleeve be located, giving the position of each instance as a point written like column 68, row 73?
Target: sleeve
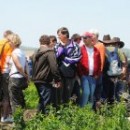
column 100, row 65
column 6, row 55
column 102, row 55
column 59, row 50
column 74, row 56
column 54, row 66
column 121, row 56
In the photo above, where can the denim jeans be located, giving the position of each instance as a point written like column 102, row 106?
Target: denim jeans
column 45, row 92
column 88, row 85
column 119, row 90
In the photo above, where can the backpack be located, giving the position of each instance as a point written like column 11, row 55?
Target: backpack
column 114, row 68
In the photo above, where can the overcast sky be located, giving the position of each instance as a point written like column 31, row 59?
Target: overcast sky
column 32, row 18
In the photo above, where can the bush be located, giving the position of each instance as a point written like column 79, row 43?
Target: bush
column 31, row 96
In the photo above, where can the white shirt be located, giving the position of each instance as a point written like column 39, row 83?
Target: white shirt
column 22, row 60
column 90, row 52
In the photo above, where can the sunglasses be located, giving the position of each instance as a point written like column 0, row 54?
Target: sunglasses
column 85, row 37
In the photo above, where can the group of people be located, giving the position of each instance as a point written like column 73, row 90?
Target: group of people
column 82, row 66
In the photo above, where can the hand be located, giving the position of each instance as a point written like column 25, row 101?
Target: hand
column 58, row 85
column 96, row 77
column 123, row 76
column 27, row 77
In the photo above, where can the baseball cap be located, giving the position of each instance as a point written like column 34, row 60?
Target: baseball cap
column 87, row 35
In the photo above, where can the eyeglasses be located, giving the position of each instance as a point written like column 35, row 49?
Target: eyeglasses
column 64, row 32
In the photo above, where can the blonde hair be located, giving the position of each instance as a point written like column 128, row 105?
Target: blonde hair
column 15, row 39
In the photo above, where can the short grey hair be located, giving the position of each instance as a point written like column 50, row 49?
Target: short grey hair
column 94, row 31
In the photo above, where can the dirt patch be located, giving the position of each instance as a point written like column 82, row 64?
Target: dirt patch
column 29, row 114
column 6, row 126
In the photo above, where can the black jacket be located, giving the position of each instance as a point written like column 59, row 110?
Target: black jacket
column 45, row 67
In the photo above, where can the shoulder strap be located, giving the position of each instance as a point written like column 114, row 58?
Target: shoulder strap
column 107, row 52
column 119, row 60
column 116, row 50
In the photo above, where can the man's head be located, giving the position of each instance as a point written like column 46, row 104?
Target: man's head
column 95, row 35
column 53, row 40
column 44, row 40
column 88, row 38
column 94, row 32
column 7, row 33
column 63, row 34
column 76, row 38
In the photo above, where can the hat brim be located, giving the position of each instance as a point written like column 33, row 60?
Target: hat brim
column 106, row 41
column 121, row 43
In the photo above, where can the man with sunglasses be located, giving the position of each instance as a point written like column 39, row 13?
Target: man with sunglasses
column 68, row 54
column 89, row 69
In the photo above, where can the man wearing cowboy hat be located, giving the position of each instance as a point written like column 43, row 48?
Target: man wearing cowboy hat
column 117, row 41
column 110, row 91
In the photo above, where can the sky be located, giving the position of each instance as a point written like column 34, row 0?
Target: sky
column 33, row 18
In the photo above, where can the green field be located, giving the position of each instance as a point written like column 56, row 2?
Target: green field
column 70, row 117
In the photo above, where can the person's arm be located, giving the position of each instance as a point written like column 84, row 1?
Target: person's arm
column 100, row 65
column 54, row 66
column 102, row 55
column 123, row 61
column 74, row 56
column 59, row 50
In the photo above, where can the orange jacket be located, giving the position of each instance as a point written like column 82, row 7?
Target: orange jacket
column 101, row 49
